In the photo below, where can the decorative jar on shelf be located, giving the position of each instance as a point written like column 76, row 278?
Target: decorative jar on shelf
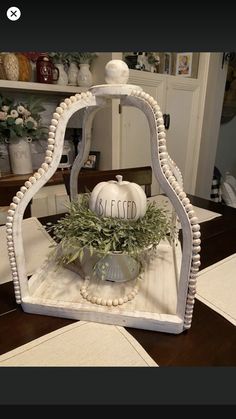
column 20, row 155
column 73, row 73
column 45, row 70
column 62, row 77
column 84, row 76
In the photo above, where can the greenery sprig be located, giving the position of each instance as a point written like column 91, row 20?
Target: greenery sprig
column 82, row 228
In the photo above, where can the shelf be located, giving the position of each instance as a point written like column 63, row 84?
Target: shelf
column 40, row 87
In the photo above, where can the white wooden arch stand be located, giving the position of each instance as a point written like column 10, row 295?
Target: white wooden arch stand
column 50, row 292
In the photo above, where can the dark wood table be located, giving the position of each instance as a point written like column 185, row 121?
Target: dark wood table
column 211, row 341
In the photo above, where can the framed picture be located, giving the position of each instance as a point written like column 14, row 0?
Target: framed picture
column 184, row 64
column 92, row 162
column 167, row 63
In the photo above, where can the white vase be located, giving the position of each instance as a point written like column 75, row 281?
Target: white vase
column 73, row 74
column 63, row 78
column 84, row 76
column 20, row 156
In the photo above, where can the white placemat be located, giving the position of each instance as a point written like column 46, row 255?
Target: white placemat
column 201, row 213
column 216, row 287
column 81, row 344
column 36, row 246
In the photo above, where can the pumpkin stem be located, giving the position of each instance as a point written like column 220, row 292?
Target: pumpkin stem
column 119, row 178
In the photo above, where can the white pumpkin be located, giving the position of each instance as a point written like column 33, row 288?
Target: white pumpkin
column 118, row 199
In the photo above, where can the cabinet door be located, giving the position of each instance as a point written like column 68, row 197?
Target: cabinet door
column 182, row 104
column 135, row 134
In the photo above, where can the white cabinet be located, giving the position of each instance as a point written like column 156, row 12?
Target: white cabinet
column 194, row 106
column 176, row 96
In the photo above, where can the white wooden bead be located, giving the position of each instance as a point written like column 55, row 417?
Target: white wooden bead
column 9, row 237
column 99, row 300
column 156, row 108
column 11, row 253
column 178, row 189
column 51, row 147
column 174, row 184
column 37, row 175
column 9, row 219
column 9, row 224
column 160, row 121
column 83, row 95
column 191, row 214
column 163, row 155
column 185, row 201
column 104, row 302
column 94, row 300
column 182, row 195
column 130, row 296
column 13, row 205
column 89, row 94
column 15, row 275
column 168, row 173
column 171, row 179
column 196, row 249
column 52, row 128
column 13, row 269
column 54, row 122
column 161, row 135
column 163, row 161
column 32, row 179
column 18, row 300
column 89, row 297
column 19, row 194
column 78, row 96
column 142, row 94
column 16, row 200
column 165, row 168
column 51, row 141
column 11, row 212
column 109, row 302
column 48, row 160
column 59, row 110
column 194, row 220
column 56, row 115
column 125, row 299
column 196, row 242
column 121, row 301
column 152, row 101
column 63, row 105
column 188, row 207
column 9, row 230
column 161, row 128
column 12, row 264
column 49, row 153
column 162, row 141
column 162, row 148
column 23, row 189
column 196, row 257
column 41, row 171
column 9, row 244
column 196, row 232
column 115, row 302
column 51, row 135
column 196, row 264
column 133, row 293
column 68, row 102
column 194, row 269
column 12, row 259
column 72, row 99
column 45, row 166
column 28, row 184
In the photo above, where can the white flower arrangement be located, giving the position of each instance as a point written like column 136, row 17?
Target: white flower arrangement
column 20, row 119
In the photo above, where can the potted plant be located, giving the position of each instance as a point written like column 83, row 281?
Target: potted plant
column 20, row 123
column 100, row 244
